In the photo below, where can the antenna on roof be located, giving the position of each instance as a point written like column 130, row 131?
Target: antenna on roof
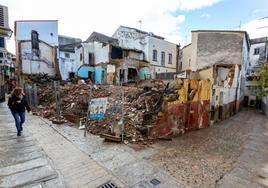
column 140, row 22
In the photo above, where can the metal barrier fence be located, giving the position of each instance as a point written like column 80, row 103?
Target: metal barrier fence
column 2, row 93
column 108, row 112
column 31, row 95
column 100, row 111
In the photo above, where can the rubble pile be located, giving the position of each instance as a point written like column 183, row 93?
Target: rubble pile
column 39, row 79
column 137, row 107
column 73, row 101
column 139, row 111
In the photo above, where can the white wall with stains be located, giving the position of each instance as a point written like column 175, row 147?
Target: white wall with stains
column 34, row 64
column 146, row 42
column 101, row 52
column 68, row 62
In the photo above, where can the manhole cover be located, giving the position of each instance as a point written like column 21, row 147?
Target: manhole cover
column 155, row 182
column 108, row 185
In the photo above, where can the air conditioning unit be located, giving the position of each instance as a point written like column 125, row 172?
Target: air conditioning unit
column 4, row 17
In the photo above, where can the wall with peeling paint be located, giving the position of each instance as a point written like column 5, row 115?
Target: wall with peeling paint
column 101, row 52
column 215, row 47
column 219, row 48
column 68, row 64
column 32, row 63
column 130, row 38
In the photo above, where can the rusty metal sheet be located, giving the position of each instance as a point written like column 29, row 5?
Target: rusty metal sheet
column 171, row 122
column 198, row 117
column 179, row 118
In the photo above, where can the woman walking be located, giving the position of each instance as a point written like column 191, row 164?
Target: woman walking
column 17, row 104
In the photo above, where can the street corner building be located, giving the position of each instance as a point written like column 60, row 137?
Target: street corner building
column 222, row 56
column 162, row 55
column 6, row 58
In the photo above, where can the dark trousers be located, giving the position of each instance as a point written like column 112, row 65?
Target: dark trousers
column 19, row 119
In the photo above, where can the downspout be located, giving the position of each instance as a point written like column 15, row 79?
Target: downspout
column 19, row 64
column 238, row 84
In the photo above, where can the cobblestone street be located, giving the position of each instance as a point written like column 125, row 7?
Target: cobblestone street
column 229, row 154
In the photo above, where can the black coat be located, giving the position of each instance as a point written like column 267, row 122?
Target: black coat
column 16, row 104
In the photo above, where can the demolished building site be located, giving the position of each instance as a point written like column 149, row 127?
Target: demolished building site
column 139, row 112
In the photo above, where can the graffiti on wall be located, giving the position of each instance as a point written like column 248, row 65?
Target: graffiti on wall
column 29, row 54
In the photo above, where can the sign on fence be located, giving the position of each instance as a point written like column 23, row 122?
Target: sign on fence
column 98, row 108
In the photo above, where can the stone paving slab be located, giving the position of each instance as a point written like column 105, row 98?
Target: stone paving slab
column 22, row 162
column 77, row 168
column 39, row 162
column 33, row 175
column 15, row 158
column 128, row 165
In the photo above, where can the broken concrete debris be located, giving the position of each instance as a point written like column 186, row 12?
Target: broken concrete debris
column 148, row 109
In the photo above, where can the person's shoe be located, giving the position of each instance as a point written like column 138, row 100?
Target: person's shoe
column 19, row 133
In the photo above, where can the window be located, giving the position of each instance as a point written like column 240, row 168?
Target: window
column 163, row 58
column 71, row 75
column 180, row 65
column 90, row 58
column 1, row 54
column 35, row 40
column 125, row 53
column 169, row 58
column 154, row 55
column 67, row 55
column 81, row 57
column 189, row 63
column 2, row 17
column 256, row 51
column 2, row 42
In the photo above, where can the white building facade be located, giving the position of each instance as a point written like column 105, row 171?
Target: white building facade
column 257, row 56
column 36, row 46
column 161, row 54
column 5, row 32
column 69, row 61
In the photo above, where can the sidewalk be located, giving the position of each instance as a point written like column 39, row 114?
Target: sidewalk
column 251, row 168
column 89, row 162
column 76, row 167
column 22, row 162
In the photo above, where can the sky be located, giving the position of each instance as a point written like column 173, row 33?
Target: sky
column 172, row 19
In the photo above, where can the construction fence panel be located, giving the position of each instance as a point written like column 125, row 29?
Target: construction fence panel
column 108, row 112
column 2, row 93
column 31, row 95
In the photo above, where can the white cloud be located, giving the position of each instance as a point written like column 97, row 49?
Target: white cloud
column 79, row 18
column 205, row 15
column 196, row 4
column 180, row 19
column 256, row 28
column 258, row 13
